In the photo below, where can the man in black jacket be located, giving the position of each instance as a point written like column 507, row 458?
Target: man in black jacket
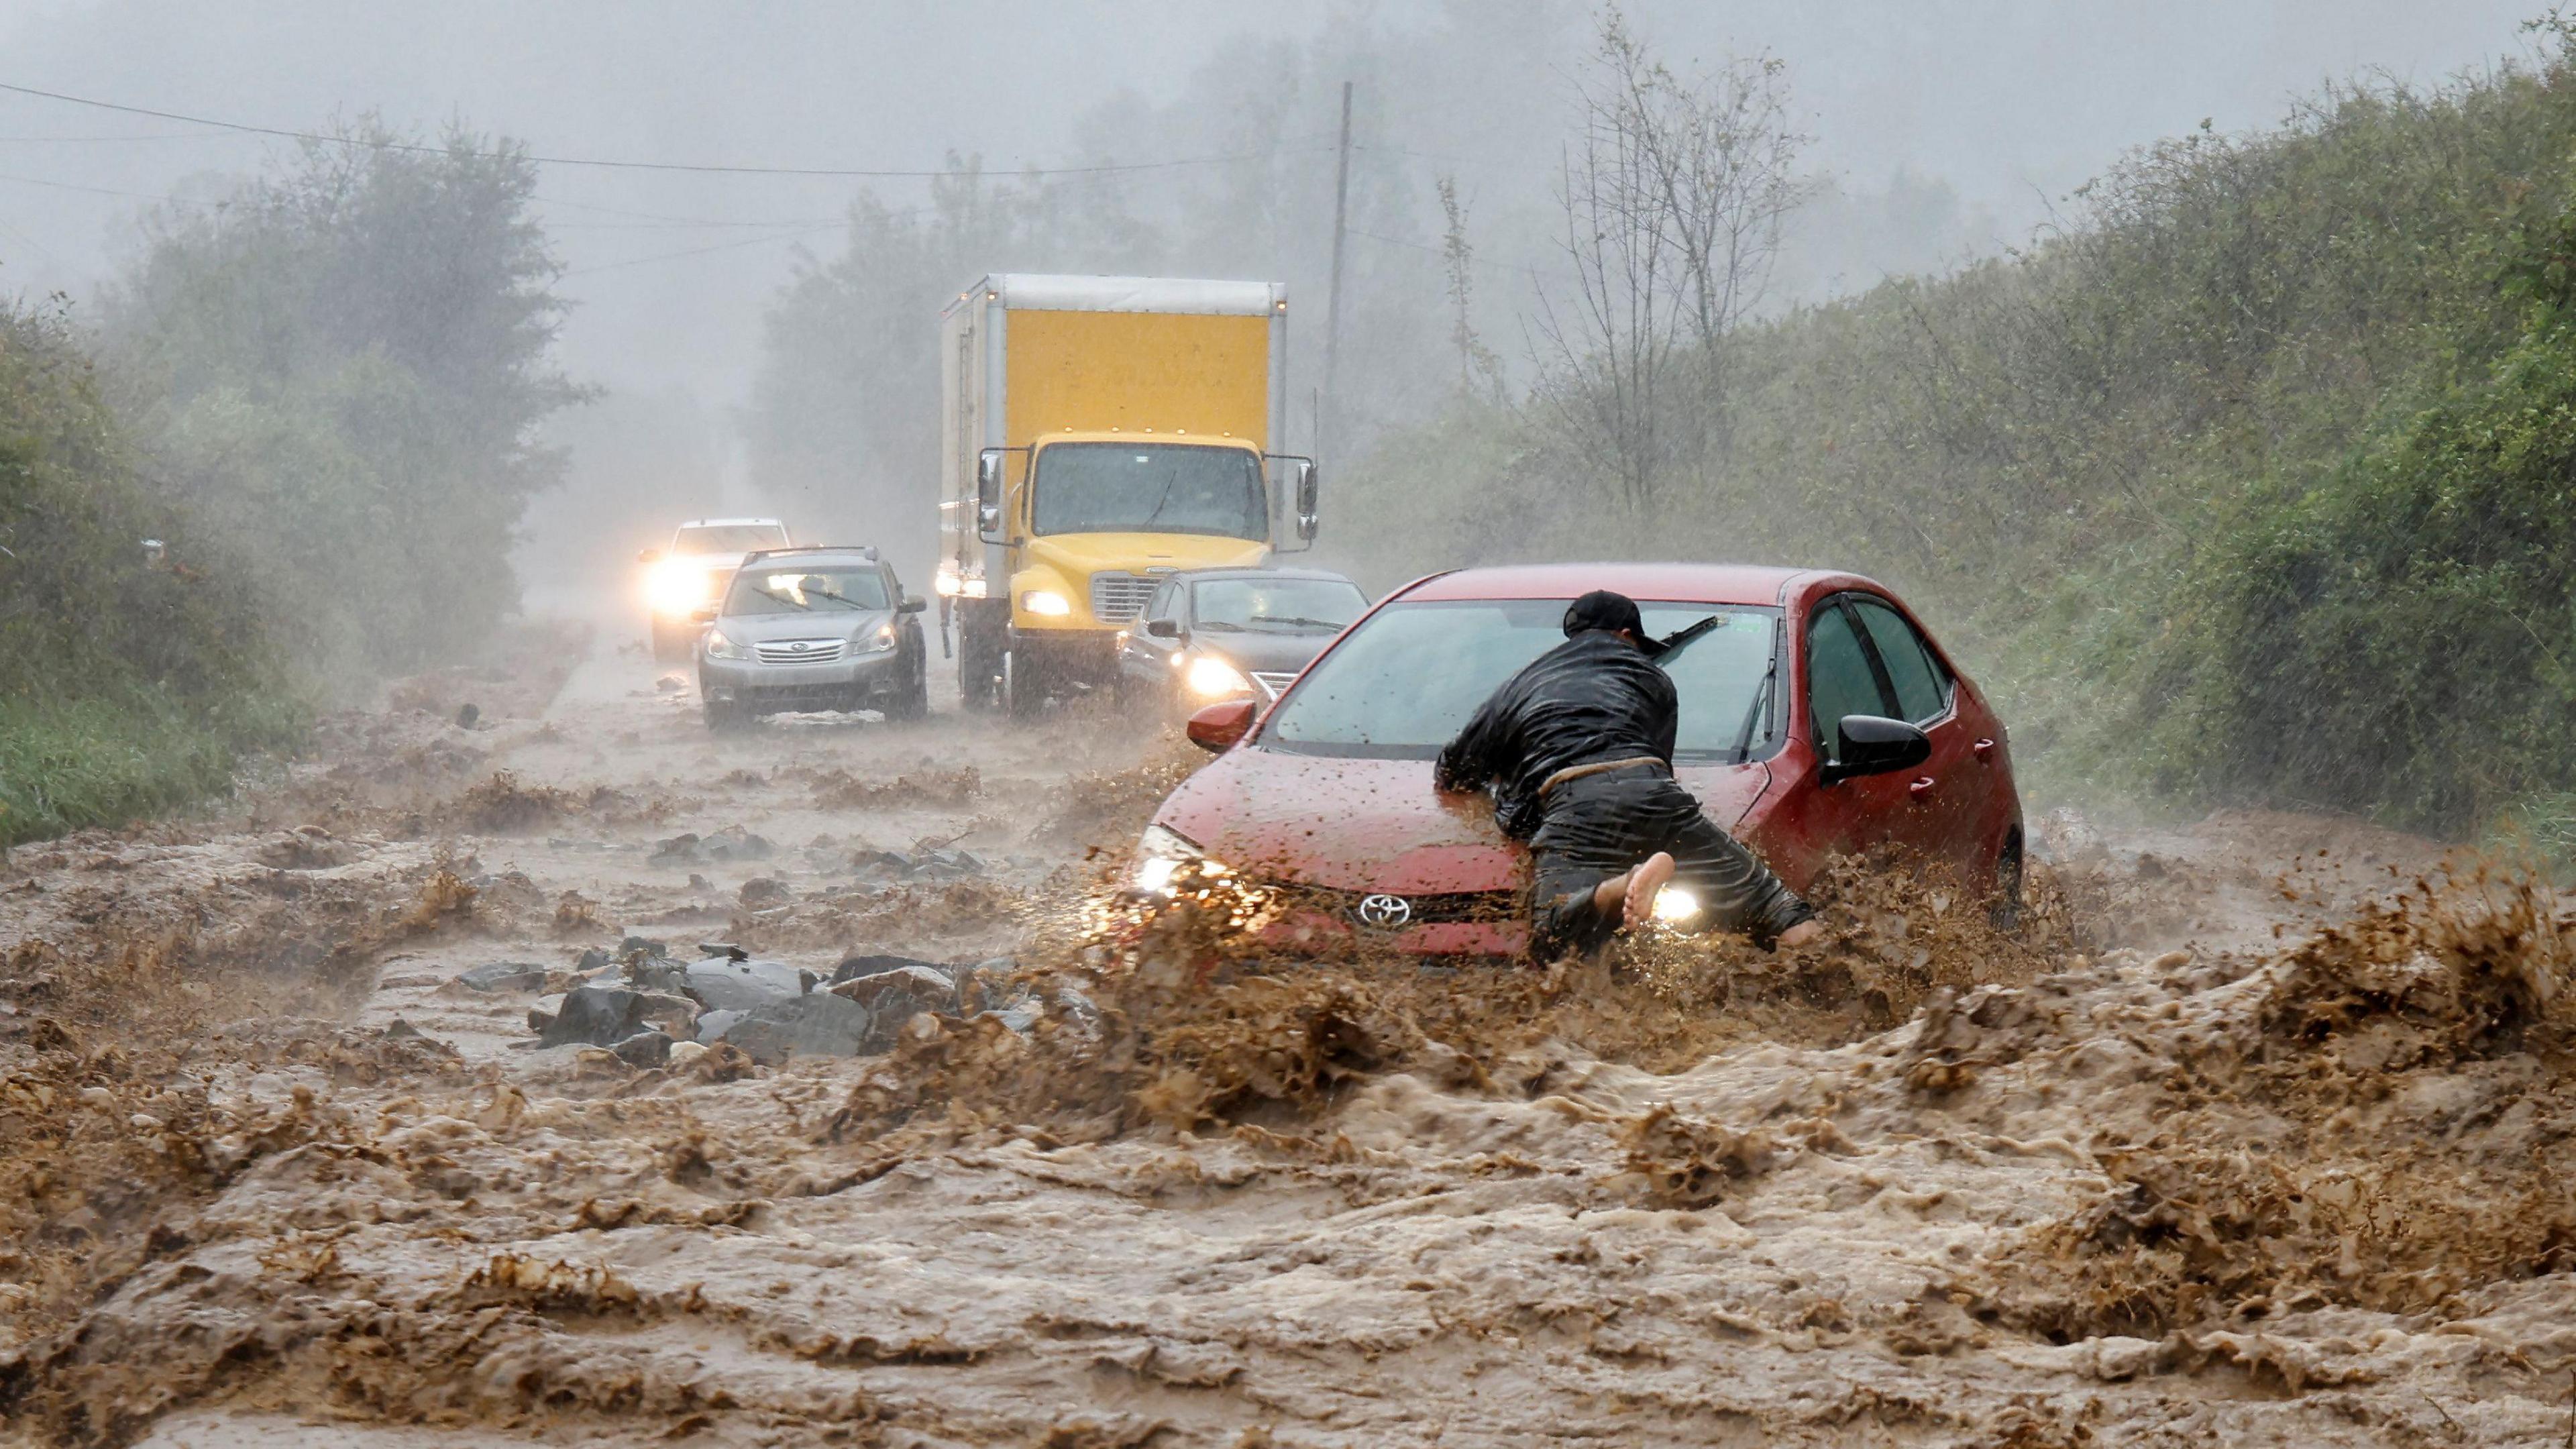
column 1578, row 747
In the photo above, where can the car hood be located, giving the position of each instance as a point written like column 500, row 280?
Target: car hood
column 1268, row 653
column 813, row 624
column 1375, row 825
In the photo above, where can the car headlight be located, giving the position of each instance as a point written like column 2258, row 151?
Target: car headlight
column 878, row 642
column 676, row 586
column 721, row 647
column 1674, row 905
column 1047, row 602
column 1213, row 678
column 1160, row 854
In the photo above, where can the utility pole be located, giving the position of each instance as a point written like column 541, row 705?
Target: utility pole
column 1329, row 422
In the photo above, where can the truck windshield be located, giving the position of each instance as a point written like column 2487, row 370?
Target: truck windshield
column 1150, row 488
column 1404, row 682
column 729, row 538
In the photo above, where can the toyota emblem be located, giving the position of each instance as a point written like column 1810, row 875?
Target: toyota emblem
column 1385, row 913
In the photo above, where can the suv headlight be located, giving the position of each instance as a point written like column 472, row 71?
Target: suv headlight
column 1160, row 854
column 876, row 643
column 721, row 647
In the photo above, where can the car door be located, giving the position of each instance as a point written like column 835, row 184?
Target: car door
column 1948, row 789
column 1841, row 675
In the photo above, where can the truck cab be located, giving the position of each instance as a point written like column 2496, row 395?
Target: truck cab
column 1103, row 433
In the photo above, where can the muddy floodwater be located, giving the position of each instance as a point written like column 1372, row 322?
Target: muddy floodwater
column 2254, row 1132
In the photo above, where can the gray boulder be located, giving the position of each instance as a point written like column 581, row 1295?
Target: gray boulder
column 504, row 976
column 592, row 1016
column 898, row 994
column 729, row 985
column 644, row 1049
column 819, row 1024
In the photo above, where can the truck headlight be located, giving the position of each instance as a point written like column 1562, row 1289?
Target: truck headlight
column 720, row 647
column 1213, row 678
column 1160, row 854
column 1047, row 602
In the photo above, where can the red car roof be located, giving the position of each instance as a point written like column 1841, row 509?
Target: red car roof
column 1695, row 583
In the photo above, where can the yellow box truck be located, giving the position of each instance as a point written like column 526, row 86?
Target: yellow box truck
column 1098, row 434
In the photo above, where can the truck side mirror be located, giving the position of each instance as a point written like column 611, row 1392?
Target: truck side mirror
column 1163, row 628
column 988, row 495
column 1307, row 516
column 649, row 556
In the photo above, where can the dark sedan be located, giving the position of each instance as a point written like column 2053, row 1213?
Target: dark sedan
column 1216, row 634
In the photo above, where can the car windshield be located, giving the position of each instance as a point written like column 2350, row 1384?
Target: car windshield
column 1404, row 682
column 823, row 588
column 1276, row 606
column 729, row 538
column 1150, row 488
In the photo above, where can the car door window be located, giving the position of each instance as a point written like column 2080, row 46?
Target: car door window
column 1839, row 678
column 1922, row 686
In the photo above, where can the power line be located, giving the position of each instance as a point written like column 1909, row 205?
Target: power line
column 609, row 164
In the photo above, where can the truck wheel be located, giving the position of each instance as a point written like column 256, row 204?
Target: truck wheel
column 977, row 663
column 1023, row 691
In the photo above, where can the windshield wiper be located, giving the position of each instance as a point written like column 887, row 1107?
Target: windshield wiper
column 804, row 604
column 1302, row 623
column 1753, row 715
column 1221, row 625
column 1675, row 643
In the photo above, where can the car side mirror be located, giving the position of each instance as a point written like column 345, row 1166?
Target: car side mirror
column 912, row 604
column 1217, row 727
column 1163, row 628
column 1871, row 745
column 988, row 495
column 703, row 614
column 649, row 556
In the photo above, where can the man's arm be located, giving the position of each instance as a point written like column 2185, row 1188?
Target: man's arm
column 1467, row 762
column 1668, row 714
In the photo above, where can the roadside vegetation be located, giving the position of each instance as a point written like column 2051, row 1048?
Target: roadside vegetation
column 320, row 396
column 2249, row 482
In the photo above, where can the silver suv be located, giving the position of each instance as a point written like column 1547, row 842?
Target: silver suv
column 812, row 628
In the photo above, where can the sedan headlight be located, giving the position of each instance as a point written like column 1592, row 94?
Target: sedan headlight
column 721, row 647
column 1160, row 854
column 1213, row 678
column 1046, row 601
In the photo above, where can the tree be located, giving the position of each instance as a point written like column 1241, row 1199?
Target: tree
column 342, row 368
column 1673, row 194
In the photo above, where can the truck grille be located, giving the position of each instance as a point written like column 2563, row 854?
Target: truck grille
column 1273, row 685
column 1117, row 598
column 800, row 651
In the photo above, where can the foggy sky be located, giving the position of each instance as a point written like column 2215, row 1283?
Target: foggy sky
column 2010, row 103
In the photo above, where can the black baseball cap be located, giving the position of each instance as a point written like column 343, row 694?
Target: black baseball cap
column 1602, row 609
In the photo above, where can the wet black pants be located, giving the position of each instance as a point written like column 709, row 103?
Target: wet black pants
column 1597, row 826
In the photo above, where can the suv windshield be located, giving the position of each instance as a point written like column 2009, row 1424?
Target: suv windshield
column 1403, row 683
column 729, row 538
column 1277, row 606
column 822, row 588
column 1150, row 488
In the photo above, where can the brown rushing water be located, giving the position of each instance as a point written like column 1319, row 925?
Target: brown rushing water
column 2256, row 1134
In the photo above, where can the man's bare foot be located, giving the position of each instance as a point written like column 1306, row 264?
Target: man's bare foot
column 1637, row 902
column 1800, row 934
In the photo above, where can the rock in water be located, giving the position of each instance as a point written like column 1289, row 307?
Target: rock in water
column 854, row 967
column 895, row 996
column 728, row 985
column 595, row 1016
column 504, row 976
column 644, row 1049
column 817, row 1025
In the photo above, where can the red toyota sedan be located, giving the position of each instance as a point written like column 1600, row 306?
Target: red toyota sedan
column 1818, row 717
